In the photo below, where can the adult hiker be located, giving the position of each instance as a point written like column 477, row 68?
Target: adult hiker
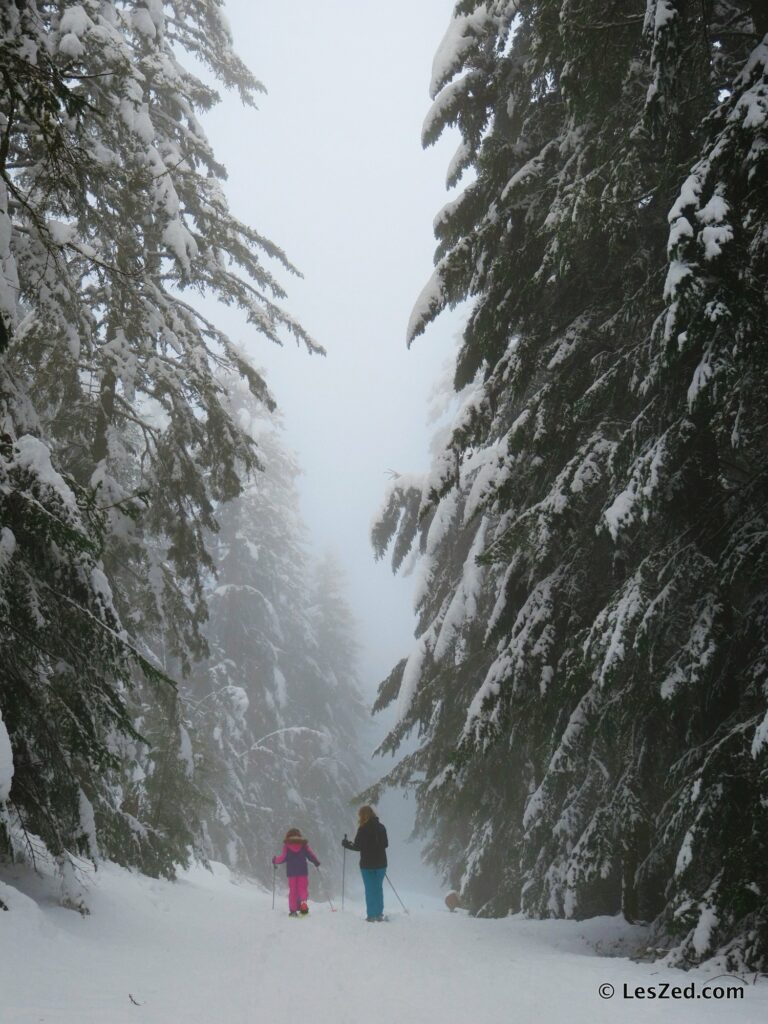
column 296, row 853
column 371, row 843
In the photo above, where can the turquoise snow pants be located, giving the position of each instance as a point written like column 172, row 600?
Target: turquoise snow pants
column 373, row 880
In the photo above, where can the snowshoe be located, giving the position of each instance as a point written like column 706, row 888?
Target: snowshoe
column 303, row 909
column 293, row 913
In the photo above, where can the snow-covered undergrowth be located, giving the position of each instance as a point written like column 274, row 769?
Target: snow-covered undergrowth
column 209, row 949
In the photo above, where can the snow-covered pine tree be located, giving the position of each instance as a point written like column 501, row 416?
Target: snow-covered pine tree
column 112, row 211
column 332, row 697
column 334, row 654
column 242, row 699
column 603, row 666
column 709, row 352
column 66, row 660
column 276, row 708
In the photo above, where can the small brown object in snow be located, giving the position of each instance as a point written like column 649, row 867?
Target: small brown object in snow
column 452, row 901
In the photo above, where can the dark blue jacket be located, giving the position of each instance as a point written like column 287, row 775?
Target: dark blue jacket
column 371, row 842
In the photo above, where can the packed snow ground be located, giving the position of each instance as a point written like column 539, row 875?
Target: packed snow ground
column 210, row 950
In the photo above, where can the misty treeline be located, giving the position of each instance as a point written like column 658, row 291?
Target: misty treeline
column 589, row 680
column 177, row 674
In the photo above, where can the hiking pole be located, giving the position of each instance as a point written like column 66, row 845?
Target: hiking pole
column 325, row 890
column 274, row 881
column 343, row 870
column 394, row 890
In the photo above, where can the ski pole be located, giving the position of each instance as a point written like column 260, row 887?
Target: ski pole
column 274, row 881
column 343, row 870
column 394, row 890
column 325, row 890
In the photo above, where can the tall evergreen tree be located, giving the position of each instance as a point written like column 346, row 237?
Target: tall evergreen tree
column 592, row 632
column 111, row 211
column 66, row 661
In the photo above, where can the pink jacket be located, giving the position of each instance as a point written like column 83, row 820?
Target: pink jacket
column 295, row 857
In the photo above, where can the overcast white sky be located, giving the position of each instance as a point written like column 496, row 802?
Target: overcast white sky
column 331, row 168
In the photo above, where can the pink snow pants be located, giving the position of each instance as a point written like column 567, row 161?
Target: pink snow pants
column 298, row 890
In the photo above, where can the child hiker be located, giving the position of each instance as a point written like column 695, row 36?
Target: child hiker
column 296, row 853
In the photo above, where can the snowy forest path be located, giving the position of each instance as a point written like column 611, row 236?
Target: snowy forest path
column 206, row 951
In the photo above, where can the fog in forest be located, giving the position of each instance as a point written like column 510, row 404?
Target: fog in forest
column 331, row 168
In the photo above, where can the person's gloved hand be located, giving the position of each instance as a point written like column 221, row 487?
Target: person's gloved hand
column 274, row 862
column 346, row 844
